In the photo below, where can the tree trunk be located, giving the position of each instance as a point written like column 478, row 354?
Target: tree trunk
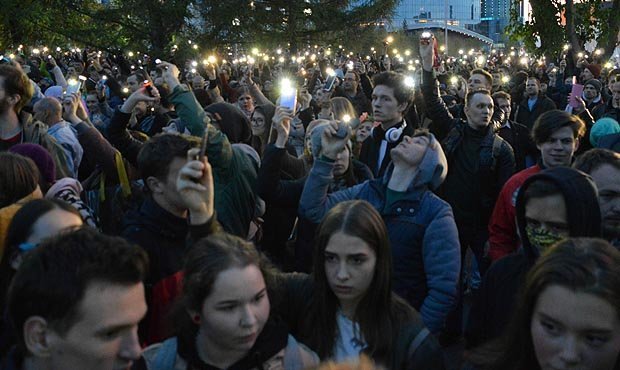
column 613, row 37
column 572, row 36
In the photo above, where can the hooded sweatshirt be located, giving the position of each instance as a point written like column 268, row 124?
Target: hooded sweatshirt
column 234, row 123
column 496, row 300
column 421, row 229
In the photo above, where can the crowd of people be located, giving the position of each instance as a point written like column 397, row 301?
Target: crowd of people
column 282, row 212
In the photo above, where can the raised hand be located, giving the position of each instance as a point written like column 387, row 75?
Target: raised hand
column 195, row 187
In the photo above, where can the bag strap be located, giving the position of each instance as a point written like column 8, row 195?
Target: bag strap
column 417, row 341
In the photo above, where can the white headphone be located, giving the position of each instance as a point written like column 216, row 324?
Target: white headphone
column 393, row 134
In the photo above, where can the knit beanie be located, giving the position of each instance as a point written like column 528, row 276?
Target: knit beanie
column 603, row 127
column 41, row 157
column 594, row 83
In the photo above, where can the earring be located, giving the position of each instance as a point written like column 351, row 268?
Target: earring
column 196, row 319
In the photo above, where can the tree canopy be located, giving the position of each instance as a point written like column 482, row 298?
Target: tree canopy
column 157, row 25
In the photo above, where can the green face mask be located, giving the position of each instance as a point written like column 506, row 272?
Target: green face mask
column 542, row 238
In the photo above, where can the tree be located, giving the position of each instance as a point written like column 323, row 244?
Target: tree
column 555, row 23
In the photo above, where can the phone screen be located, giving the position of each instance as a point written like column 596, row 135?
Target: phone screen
column 289, row 99
column 329, row 83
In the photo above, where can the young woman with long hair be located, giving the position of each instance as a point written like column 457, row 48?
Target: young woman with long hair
column 568, row 316
column 346, row 307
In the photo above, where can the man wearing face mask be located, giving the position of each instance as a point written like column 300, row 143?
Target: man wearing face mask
column 551, row 205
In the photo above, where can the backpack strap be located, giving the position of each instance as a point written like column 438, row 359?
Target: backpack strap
column 417, row 342
column 497, row 147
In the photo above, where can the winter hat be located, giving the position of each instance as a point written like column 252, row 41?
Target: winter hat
column 594, row 83
column 602, row 127
column 41, row 157
column 317, row 132
column 595, row 69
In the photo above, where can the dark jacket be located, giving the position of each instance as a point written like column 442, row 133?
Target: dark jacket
column 518, row 136
column 524, row 116
column 287, row 193
column 611, row 142
column 492, row 169
column 234, row 173
column 369, row 155
column 496, row 300
column 360, row 102
column 295, row 292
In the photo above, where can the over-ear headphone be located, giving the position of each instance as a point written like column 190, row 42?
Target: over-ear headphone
column 393, row 134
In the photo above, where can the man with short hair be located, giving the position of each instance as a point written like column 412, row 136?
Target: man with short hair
column 533, row 104
column 557, row 135
column 75, row 303
column 391, row 99
column 17, row 126
column 604, row 168
column 480, row 79
column 516, row 134
column 352, row 90
column 49, row 111
column 612, row 109
column 480, row 161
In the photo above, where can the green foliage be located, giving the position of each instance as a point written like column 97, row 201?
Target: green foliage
column 591, row 21
column 156, row 25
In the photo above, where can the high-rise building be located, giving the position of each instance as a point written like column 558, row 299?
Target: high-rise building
column 495, row 16
column 460, row 13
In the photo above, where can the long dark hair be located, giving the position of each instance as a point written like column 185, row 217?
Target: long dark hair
column 379, row 312
column 585, row 265
column 204, row 262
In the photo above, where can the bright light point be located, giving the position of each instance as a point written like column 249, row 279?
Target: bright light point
column 367, row 57
column 255, row 51
column 195, row 46
column 442, row 48
column 125, row 90
column 279, row 51
column 390, row 39
column 454, row 80
column 251, row 60
column 193, row 70
column 36, row 51
column 481, row 60
column 58, row 49
column 400, row 59
column 313, row 57
column 157, row 61
column 461, row 52
column 410, row 68
column 523, row 61
column 328, row 52
column 281, row 59
column 194, row 63
column 130, row 54
column 330, row 71
column 409, row 81
column 11, row 56
column 505, row 79
column 346, row 118
column 395, row 51
column 266, row 58
column 407, row 52
column 608, row 65
column 566, row 47
column 72, row 81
